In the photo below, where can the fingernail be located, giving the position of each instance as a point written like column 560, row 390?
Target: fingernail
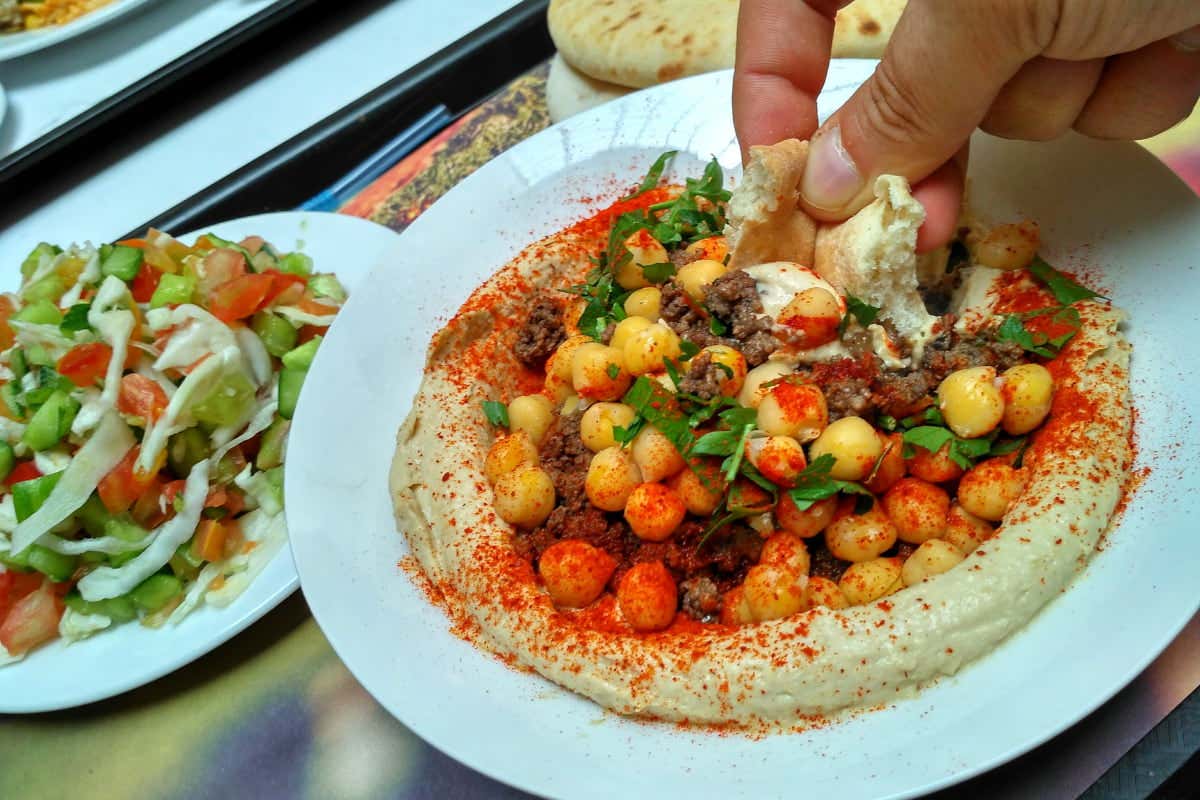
column 1188, row 41
column 830, row 178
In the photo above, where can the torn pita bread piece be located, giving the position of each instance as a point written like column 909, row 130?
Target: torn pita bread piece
column 765, row 221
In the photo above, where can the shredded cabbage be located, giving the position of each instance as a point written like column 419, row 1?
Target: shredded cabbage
column 11, row 431
column 48, row 461
column 47, row 337
column 8, row 514
column 88, row 277
column 104, row 582
column 259, row 489
column 259, row 422
column 114, row 324
column 103, row 451
column 303, row 317
column 96, row 544
column 195, row 593
column 269, row 531
column 195, row 387
column 91, row 410
column 199, row 333
column 75, row 625
column 256, row 355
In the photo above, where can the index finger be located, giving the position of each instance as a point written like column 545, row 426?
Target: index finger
column 782, row 57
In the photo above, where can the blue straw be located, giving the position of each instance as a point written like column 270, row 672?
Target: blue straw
column 381, row 161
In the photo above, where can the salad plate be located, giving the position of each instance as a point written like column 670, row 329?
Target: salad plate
column 21, row 43
column 61, row 675
column 1133, row 231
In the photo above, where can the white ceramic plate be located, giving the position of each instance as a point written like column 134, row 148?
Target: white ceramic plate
column 60, row 675
column 1131, row 223
column 18, row 44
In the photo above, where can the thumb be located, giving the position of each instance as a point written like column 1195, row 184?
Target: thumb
column 945, row 64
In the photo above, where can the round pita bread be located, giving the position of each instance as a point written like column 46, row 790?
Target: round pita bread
column 569, row 91
column 639, row 43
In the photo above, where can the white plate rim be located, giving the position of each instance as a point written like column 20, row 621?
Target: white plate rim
column 286, row 229
column 15, row 45
column 316, row 585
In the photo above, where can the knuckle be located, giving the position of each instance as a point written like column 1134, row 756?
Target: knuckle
column 896, row 110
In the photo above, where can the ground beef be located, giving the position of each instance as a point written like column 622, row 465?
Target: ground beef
column 682, row 257
column 541, row 334
column 566, row 458
column 822, row 563
column 700, row 598
column 950, row 351
column 733, row 298
column 703, row 378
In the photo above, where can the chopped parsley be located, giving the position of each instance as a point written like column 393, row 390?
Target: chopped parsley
column 860, row 310
column 496, row 413
column 963, row 452
column 76, row 318
column 658, row 273
column 814, row 484
column 1066, row 291
column 653, row 176
column 613, row 371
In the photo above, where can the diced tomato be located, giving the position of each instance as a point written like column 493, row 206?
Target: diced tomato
column 171, row 490
column 310, row 305
column 84, row 364
column 253, row 244
column 141, row 397
column 24, row 471
column 138, row 243
column 15, row 585
column 240, row 297
column 308, row 332
column 226, row 497
column 123, row 485
column 223, row 265
column 148, row 508
column 144, row 283
column 192, row 366
column 235, row 540
column 7, row 308
column 209, row 541
column 32, row 621
column 281, row 282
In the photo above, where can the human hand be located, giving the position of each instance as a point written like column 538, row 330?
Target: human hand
column 1021, row 69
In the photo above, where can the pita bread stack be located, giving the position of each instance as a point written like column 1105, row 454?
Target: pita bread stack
column 608, row 48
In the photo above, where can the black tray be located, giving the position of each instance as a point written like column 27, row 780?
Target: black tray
column 146, row 88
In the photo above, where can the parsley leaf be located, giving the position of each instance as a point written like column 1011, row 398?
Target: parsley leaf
column 1065, row 290
column 814, row 484
column 716, row 327
column 652, row 177
column 860, row 310
column 613, row 370
column 496, row 413
column 963, row 452
column 658, row 273
column 76, row 318
column 687, row 350
column 651, row 401
column 716, row 443
column 929, row 437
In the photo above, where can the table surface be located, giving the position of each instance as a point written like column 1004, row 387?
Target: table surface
column 274, row 713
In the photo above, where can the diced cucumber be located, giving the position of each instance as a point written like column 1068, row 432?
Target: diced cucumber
column 39, row 312
column 48, row 289
column 264, row 259
column 16, row 561
column 185, row 565
column 92, row 515
column 227, row 403
column 28, row 496
column 117, row 559
column 290, row 383
column 155, row 592
column 296, row 263
column 30, row 264
column 302, row 356
column 326, row 285
column 270, row 448
column 10, row 394
column 7, row 459
column 277, row 334
column 18, row 363
column 118, row 609
column 51, row 422
column 122, row 261
column 56, row 566
column 124, row 528
column 186, row 449
column 173, row 290
column 36, row 356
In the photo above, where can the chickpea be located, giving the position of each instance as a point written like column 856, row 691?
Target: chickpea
column 917, row 508
column 598, row 372
column 854, row 446
column 735, row 610
column 970, row 401
column 575, row 572
column 647, row 350
column 779, row 458
column 1010, row 246
column 934, row 467
column 859, row 537
column 806, row 523
column 1028, row 390
column 735, row 367
column 571, row 404
column 989, row 488
column 611, row 478
column 868, row 581
column 966, row 531
column 558, row 369
column 645, row 303
column 753, row 390
column 786, row 550
column 824, row 592
column 654, row 512
column 815, row 315
column 654, row 455
column 648, row 597
column 933, row 557
column 794, row 409
column 531, row 413
column 774, row 592
column 891, row 465
column 625, row 330
column 713, row 248
column 701, row 494
column 596, row 425
column 644, row 250
column 525, row 496
column 693, row 277
column 507, row 454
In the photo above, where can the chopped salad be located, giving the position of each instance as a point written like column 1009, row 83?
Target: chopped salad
column 146, row 391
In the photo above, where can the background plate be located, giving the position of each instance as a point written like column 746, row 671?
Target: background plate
column 61, row 675
column 1132, row 226
column 18, row 44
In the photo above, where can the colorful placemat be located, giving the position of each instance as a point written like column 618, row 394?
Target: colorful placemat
column 275, row 714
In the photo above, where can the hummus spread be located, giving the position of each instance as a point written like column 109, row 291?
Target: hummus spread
column 816, row 661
